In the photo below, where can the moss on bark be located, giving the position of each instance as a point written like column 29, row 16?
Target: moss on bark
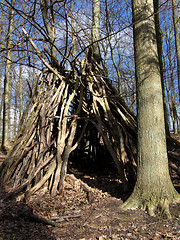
column 153, row 202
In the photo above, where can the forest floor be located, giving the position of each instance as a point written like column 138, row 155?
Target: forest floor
column 89, row 208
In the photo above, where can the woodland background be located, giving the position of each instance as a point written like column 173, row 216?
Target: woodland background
column 62, row 34
column 72, row 23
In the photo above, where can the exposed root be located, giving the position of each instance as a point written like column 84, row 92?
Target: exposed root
column 150, row 209
column 154, row 208
column 131, row 203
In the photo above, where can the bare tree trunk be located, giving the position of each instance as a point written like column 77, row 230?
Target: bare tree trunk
column 20, row 71
column 50, row 28
column 95, row 30
column 160, row 55
column 172, row 84
column 5, row 133
column 153, row 188
column 1, row 66
column 170, row 80
column 15, row 106
column 168, row 92
column 109, row 30
column 1, row 95
column 176, row 30
column 73, row 42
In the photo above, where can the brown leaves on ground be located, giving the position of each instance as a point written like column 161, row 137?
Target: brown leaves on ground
column 88, row 209
column 82, row 218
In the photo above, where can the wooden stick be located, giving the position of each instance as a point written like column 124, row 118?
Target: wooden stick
column 175, row 168
column 39, row 219
column 59, row 218
column 41, row 57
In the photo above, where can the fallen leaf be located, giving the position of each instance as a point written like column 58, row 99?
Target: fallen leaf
column 156, row 238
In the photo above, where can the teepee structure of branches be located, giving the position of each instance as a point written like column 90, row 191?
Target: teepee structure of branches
column 56, row 120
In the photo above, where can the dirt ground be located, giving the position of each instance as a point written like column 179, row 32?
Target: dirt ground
column 88, row 209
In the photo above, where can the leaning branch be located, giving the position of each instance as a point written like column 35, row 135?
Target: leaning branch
column 41, row 57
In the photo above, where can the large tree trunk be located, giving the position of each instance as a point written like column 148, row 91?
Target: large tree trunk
column 153, row 187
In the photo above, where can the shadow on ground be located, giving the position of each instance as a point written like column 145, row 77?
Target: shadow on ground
column 15, row 227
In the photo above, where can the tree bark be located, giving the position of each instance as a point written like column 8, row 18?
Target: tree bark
column 50, row 28
column 172, row 82
column 21, row 69
column 153, row 187
column 73, row 41
column 15, row 106
column 160, row 55
column 169, row 81
column 5, row 133
column 1, row 65
column 95, row 30
column 176, row 30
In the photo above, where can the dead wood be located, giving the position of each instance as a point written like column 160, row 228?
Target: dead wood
column 173, row 141
column 175, row 168
column 36, row 218
column 80, row 111
column 32, row 217
column 60, row 218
